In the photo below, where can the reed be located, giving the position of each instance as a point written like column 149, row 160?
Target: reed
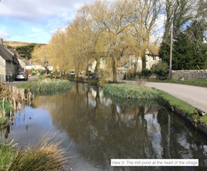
column 7, row 155
column 44, row 156
column 51, row 86
column 5, row 106
column 127, row 91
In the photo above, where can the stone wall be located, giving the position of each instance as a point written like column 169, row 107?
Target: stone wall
column 190, row 74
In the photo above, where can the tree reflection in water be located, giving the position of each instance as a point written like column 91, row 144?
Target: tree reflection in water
column 103, row 130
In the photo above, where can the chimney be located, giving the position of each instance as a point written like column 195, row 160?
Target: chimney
column 1, row 41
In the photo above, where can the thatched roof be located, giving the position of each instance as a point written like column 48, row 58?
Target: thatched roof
column 5, row 54
column 154, row 50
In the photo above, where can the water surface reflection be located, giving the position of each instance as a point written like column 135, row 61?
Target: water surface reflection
column 101, row 129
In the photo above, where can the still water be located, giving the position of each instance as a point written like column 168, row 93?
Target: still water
column 95, row 129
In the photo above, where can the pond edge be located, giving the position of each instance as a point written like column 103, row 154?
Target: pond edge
column 197, row 125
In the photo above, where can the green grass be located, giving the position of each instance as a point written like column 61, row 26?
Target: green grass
column 201, row 83
column 188, row 109
column 127, row 91
column 7, row 155
column 51, row 86
column 26, row 85
column 6, row 107
column 3, row 122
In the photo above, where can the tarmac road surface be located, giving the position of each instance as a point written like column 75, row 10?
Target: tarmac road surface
column 17, row 82
column 193, row 95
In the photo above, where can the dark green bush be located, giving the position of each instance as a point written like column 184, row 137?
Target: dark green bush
column 162, row 74
column 146, row 73
column 161, row 70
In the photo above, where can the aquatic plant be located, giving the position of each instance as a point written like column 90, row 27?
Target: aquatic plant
column 128, row 91
column 51, row 86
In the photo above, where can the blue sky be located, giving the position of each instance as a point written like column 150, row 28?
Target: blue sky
column 35, row 20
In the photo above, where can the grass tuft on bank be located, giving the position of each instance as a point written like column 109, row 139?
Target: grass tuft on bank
column 45, row 155
column 26, row 85
column 127, row 91
column 51, row 86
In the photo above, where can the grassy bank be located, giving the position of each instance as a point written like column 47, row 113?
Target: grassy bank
column 188, row 109
column 127, row 91
column 201, row 83
column 51, row 86
column 26, row 85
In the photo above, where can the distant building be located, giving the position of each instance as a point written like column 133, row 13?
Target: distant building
column 9, row 64
column 129, row 63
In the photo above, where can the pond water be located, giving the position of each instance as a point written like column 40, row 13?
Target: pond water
column 95, row 129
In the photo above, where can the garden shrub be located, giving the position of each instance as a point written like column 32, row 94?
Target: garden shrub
column 146, row 73
column 161, row 69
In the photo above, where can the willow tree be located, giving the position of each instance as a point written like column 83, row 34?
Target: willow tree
column 41, row 55
column 54, row 53
column 143, row 20
column 110, row 19
column 78, row 43
column 95, row 38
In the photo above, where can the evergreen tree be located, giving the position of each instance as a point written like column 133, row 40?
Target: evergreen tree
column 189, row 51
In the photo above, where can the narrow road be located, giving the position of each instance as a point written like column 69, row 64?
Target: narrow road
column 193, row 95
column 16, row 83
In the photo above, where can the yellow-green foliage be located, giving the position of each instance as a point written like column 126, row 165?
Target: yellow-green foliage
column 130, row 91
column 45, row 156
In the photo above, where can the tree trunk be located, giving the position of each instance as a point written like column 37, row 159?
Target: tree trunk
column 98, row 66
column 114, row 69
column 143, row 59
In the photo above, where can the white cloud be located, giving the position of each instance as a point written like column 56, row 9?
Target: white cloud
column 38, row 9
column 24, row 19
column 4, row 35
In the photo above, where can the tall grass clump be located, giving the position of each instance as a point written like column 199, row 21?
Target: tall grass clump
column 128, row 91
column 6, row 107
column 51, row 86
column 7, row 155
column 45, row 156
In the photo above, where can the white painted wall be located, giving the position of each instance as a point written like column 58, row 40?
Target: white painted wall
column 2, row 70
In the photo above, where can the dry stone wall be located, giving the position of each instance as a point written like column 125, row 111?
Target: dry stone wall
column 189, row 74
